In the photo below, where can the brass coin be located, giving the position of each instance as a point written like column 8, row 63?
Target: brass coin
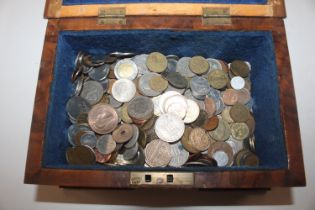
column 156, row 62
column 149, row 124
column 211, row 123
column 198, row 65
column 80, row 155
column 239, row 68
column 239, row 131
column 124, row 114
column 222, row 153
column 226, row 115
column 217, row 79
column 239, row 113
column 199, row 139
column 123, row 133
column 246, row 158
column 222, row 132
column 110, row 85
column 210, row 106
column 200, row 121
column 157, row 153
column 230, row 97
column 158, row 83
column 185, row 141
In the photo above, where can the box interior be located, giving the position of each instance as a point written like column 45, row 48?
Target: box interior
column 257, row 47
column 81, row 2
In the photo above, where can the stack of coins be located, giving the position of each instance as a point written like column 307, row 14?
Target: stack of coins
column 156, row 111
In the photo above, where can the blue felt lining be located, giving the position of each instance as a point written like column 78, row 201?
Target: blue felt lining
column 80, row 2
column 256, row 47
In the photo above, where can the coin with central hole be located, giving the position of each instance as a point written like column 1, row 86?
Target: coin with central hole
column 123, row 133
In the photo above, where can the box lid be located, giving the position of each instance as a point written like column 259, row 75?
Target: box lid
column 240, row 8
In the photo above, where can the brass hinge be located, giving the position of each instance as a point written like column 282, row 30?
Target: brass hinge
column 162, row 178
column 216, row 16
column 112, row 16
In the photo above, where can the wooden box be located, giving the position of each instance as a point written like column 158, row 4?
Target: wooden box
column 245, row 29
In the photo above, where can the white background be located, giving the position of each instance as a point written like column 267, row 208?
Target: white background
column 22, row 29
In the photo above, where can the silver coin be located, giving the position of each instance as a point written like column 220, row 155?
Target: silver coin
column 139, row 159
column 113, row 102
column 78, row 85
column 171, row 88
column 250, row 104
column 183, row 67
column 92, row 92
column 199, row 87
column 171, row 65
column 214, row 64
column 123, row 90
column 179, row 155
column 77, row 105
column 119, row 146
column 134, row 138
column 235, row 145
column 140, row 61
column 130, row 153
column 169, row 127
column 104, row 84
column 175, row 57
column 79, row 59
column 220, row 106
column 144, row 86
column 221, row 157
column 176, row 105
column 88, row 139
column 177, row 80
column 215, row 95
column 126, row 69
column 99, row 73
column 73, row 130
column 105, row 144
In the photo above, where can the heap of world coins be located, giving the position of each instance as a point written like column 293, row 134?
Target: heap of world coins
column 154, row 110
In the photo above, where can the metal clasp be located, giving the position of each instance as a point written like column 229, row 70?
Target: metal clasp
column 112, row 16
column 161, row 178
column 216, row 16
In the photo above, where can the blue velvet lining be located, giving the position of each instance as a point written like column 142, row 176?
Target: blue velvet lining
column 256, row 47
column 78, row 2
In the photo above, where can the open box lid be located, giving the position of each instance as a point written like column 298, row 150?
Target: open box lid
column 215, row 8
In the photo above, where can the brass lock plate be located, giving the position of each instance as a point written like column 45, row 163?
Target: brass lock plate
column 161, row 178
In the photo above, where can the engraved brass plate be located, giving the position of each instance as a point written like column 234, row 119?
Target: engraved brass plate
column 161, row 178
column 216, row 16
column 112, row 16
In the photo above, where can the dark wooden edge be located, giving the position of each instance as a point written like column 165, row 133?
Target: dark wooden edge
column 294, row 175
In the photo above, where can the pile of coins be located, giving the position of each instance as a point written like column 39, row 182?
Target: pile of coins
column 154, row 110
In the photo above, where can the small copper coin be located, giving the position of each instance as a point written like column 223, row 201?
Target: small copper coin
column 240, row 68
column 217, row 79
column 156, row 62
column 102, row 118
column 198, row 65
column 100, row 158
column 211, row 123
column 158, row 83
column 199, row 139
column 158, row 153
column 80, row 155
column 222, row 153
column 123, row 133
column 230, row 97
column 210, row 106
column 239, row 113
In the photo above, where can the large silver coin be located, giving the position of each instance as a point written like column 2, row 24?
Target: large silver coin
column 144, row 86
column 73, row 130
column 179, row 155
column 199, row 87
column 192, row 111
column 123, row 90
column 183, row 67
column 140, row 61
column 177, row 80
column 92, row 92
column 126, row 69
column 78, row 85
column 77, row 105
column 140, row 108
column 130, row 153
column 88, row 139
column 169, row 128
column 134, row 138
column 99, row 73
column 164, row 97
column 176, row 105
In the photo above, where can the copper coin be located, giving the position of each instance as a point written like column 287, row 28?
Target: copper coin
column 102, row 118
column 158, row 153
column 239, row 113
column 210, row 106
column 230, row 97
column 199, row 139
column 243, row 96
column 246, row 158
column 211, row 123
column 224, row 66
column 222, row 153
column 80, row 155
column 123, row 133
column 186, row 141
column 239, row 68
column 100, row 158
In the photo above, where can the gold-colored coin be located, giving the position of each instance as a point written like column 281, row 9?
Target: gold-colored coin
column 226, row 115
column 199, row 139
column 239, row 113
column 124, row 114
column 239, row 131
column 198, row 65
column 158, row 83
column 104, row 99
column 222, row 132
column 185, row 141
column 217, row 79
column 246, row 158
column 240, row 68
column 156, row 62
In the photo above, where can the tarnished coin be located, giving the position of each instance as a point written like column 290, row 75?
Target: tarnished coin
column 134, row 138
column 104, row 84
column 183, row 67
column 156, row 62
column 226, row 115
column 171, row 65
column 222, row 132
column 250, row 143
column 82, row 118
column 144, row 85
column 92, row 92
column 80, row 155
column 251, row 124
column 77, row 105
column 113, row 102
column 158, row 83
column 101, row 158
column 199, row 87
column 186, row 141
column 88, row 139
column 78, row 85
column 148, row 124
column 140, row 108
column 246, row 158
column 237, row 83
column 179, row 155
column 140, row 61
column 210, row 106
column 126, row 69
column 239, row 68
column 192, row 111
column 102, row 118
column 243, row 96
column 130, row 153
column 199, row 139
column 217, row 79
column 222, row 153
column 124, row 114
column 235, row 145
column 104, row 99
column 176, row 80
column 110, row 85
column 105, row 144
column 189, row 95
column 201, row 119
column 142, row 139
column 151, row 135
column 214, row 64
column 99, row 73
column 176, row 105
column 211, row 123
column 123, row 133
column 239, row 113
column 123, row 90
column 230, row 97
column 169, row 127
column 73, row 131
column 158, row 153
column 199, row 65
column 239, row 131
column 175, row 57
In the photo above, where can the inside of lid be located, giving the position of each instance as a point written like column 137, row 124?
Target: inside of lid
column 257, row 47
column 80, row 2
